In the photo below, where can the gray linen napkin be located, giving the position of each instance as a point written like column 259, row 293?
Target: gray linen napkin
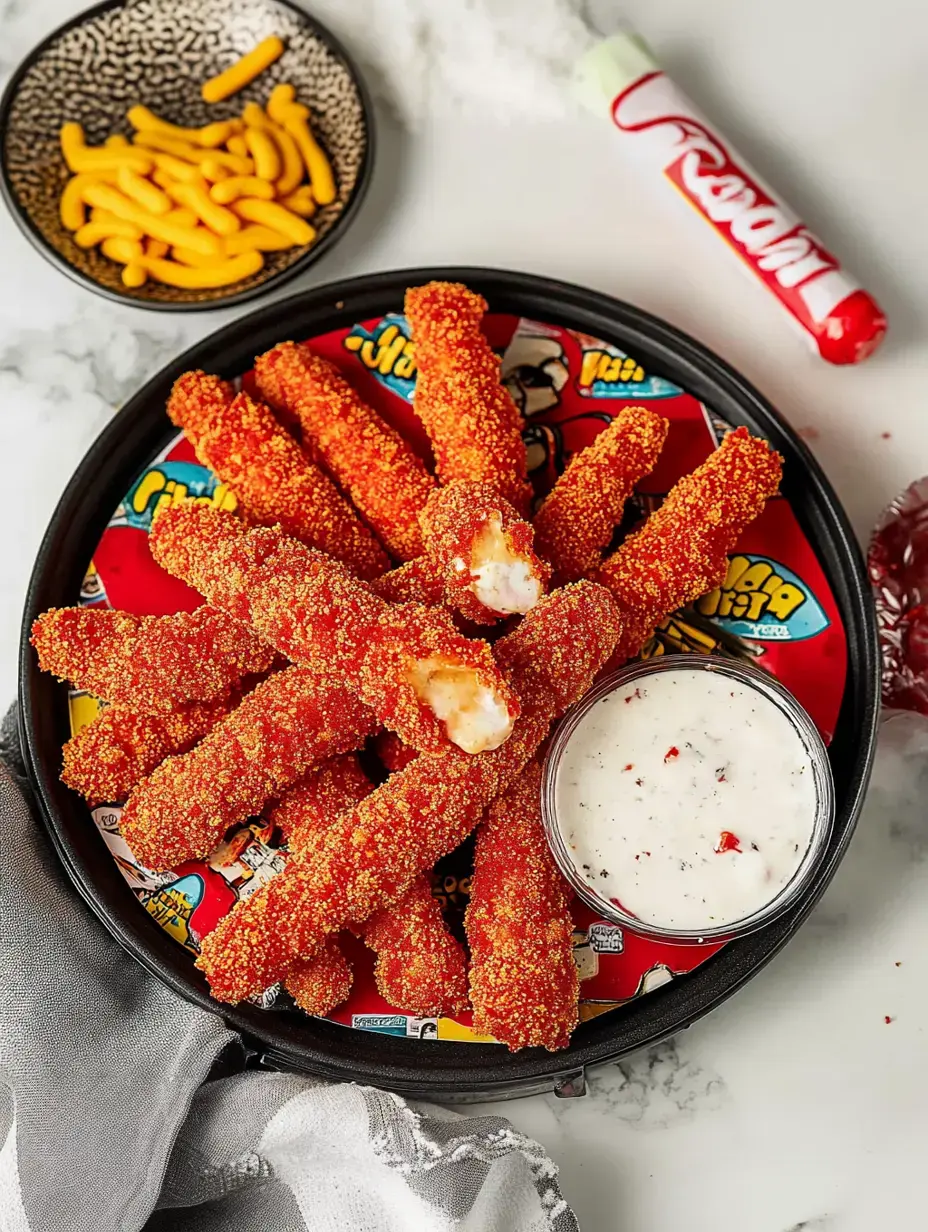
column 110, row 1121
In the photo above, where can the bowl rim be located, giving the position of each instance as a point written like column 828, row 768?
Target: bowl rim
column 440, row 1069
column 23, row 218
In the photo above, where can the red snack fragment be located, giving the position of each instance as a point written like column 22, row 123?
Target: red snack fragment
column 682, row 550
column 898, row 567
column 386, row 481
column 292, row 721
column 727, row 842
column 371, row 855
column 473, row 424
column 148, row 663
column 580, row 513
column 274, row 480
column 524, row 985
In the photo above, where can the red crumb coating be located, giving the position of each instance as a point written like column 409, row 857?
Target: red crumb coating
column 291, row 722
column 417, row 581
column 119, row 748
column 275, row 482
column 391, row 750
column 682, row 550
column 148, row 663
column 582, row 510
column 323, row 981
column 387, row 482
column 372, row 854
column 473, row 424
column 317, row 615
column 420, row 967
column 312, row 804
column 452, row 523
column 524, row 985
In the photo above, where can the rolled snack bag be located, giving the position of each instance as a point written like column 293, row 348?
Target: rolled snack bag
column 620, row 79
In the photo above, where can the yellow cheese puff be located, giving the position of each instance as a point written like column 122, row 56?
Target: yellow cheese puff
column 263, row 239
column 212, row 171
column 190, row 277
column 116, row 142
column 193, row 154
column 145, row 121
column 196, row 198
column 182, row 217
column 71, row 203
column 149, row 196
column 241, row 186
column 236, row 145
column 134, row 274
column 280, row 98
column 81, row 157
column 158, row 227
column 238, row 75
column 155, row 248
column 118, row 248
column 301, row 202
column 277, row 217
column 264, row 152
column 91, row 233
column 291, row 173
column 176, row 168
column 317, row 164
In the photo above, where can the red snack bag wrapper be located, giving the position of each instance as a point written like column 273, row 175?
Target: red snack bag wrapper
column 620, row 79
column 898, row 564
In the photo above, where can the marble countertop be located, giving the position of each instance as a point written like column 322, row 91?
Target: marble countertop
column 800, row 1104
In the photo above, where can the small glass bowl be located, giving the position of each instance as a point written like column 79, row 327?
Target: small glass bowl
column 753, row 678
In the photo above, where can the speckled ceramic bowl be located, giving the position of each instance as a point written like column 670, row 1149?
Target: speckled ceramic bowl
column 159, row 52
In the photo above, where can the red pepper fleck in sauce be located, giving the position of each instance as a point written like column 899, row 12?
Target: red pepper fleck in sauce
column 888, row 1019
column 671, row 753
column 630, row 766
column 727, row 842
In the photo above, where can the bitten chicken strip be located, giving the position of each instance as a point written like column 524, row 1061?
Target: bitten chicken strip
column 387, row 482
column 424, row 680
column 275, row 482
column 372, row 854
column 474, row 426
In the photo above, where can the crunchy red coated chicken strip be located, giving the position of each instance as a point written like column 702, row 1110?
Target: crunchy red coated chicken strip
column 483, row 551
column 289, row 723
column 322, row 982
column 372, row 854
column 394, row 754
column 422, row 678
column 274, row 480
column 479, row 557
column 148, row 663
column 682, row 550
column 524, row 985
column 420, row 967
column 473, row 424
column 106, row 759
column 580, row 513
column 387, row 482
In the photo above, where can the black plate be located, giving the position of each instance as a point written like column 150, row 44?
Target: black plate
column 289, row 1039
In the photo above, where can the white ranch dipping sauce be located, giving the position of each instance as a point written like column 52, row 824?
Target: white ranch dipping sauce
column 686, row 798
